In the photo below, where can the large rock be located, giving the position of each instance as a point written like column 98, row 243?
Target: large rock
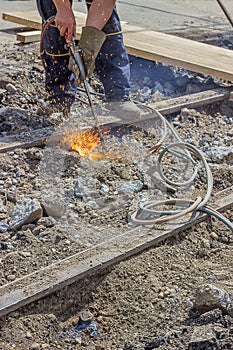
column 26, row 211
column 209, row 297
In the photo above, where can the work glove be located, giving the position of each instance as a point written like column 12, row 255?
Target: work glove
column 90, row 43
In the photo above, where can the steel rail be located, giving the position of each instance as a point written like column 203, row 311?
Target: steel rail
column 165, row 107
column 47, row 280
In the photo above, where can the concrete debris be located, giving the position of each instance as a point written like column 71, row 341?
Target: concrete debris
column 91, row 205
column 212, row 316
column 2, row 91
column 3, row 209
column 130, row 187
column 86, row 316
column 203, row 338
column 89, row 327
column 10, row 278
column 4, row 110
column 3, row 227
column 11, row 88
column 220, row 153
column 209, row 297
column 26, row 211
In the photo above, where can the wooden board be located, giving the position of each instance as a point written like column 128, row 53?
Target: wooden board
column 29, row 37
column 32, row 19
column 35, row 35
column 175, row 51
column 89, row 262
column 156, row 46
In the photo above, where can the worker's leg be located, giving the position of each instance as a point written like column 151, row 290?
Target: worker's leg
column 59, row 80
column 112, row 63
column 113, row 68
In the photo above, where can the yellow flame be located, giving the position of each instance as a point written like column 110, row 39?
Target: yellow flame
column 96, row 156
column 85, row 141
column 82, row 141
column 105, row 155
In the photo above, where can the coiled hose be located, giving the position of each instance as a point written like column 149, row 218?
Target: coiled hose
column 184, row 151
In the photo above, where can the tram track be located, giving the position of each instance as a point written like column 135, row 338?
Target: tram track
column 47, row 280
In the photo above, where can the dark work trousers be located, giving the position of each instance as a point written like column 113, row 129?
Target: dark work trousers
column 112, row 63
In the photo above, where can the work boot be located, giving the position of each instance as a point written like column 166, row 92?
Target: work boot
column 125, row 110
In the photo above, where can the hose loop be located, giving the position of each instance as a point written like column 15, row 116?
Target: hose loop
column 45, row 26
column 149, row 212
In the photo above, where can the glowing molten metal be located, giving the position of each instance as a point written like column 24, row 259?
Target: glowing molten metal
column 83, row 141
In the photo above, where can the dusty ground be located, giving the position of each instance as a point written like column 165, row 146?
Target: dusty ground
column 148, row 301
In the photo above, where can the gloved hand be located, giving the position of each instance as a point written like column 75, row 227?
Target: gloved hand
column 90, row 43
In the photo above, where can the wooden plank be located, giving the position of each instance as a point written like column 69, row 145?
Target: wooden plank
column 32, row 19
column 89, row 262
column 32, row 36
column 188, row 54
column 156, row 46
column 29, row 37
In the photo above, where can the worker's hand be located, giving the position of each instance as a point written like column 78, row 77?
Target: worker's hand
column 90, row 43
column 65, row 22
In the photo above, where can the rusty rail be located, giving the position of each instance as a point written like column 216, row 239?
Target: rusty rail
column 49, row 279
column 165, row 107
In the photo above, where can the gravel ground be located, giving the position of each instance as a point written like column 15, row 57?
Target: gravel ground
column 177, row 295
